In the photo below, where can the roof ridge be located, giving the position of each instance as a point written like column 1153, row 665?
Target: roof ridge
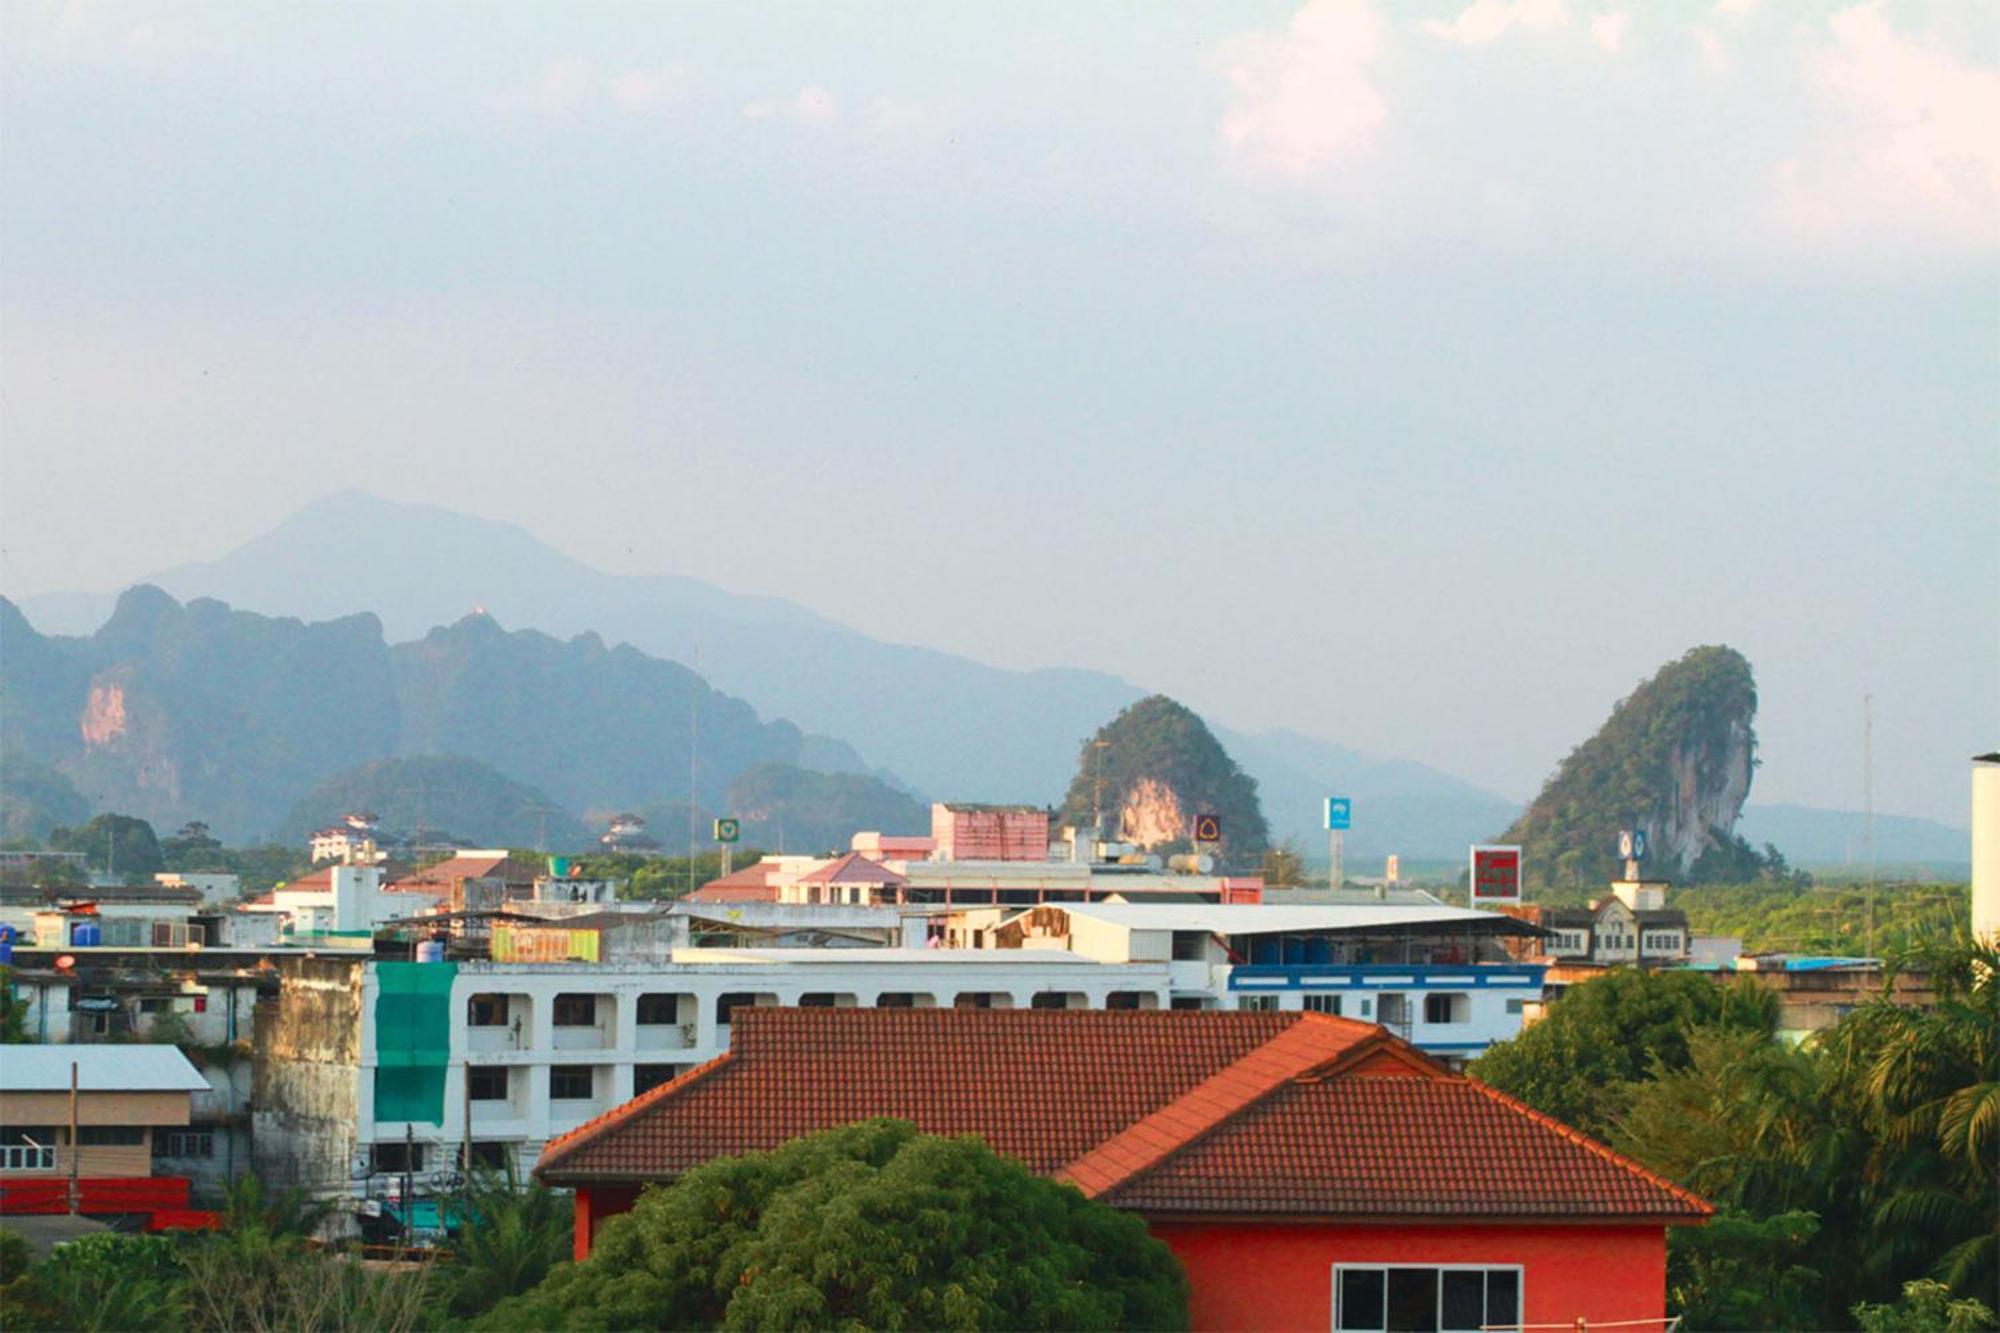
column 1215, row 1100
column 569, row 1142
column 1602, row 1150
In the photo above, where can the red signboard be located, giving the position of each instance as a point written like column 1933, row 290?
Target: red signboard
column 1496, row 875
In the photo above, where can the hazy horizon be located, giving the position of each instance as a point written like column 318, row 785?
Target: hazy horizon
column 1415, row 378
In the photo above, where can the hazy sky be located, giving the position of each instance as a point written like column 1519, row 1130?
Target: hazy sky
column 1419, row 377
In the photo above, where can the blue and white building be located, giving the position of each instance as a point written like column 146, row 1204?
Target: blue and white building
column 1434, row 974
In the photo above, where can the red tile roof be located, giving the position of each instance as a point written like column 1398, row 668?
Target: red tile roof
column 853, row 868
column 1159, row 1111
column 441, row 877
column 751, row 884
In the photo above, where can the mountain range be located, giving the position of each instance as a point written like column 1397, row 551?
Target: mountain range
column 944, row 725
column 202, row 711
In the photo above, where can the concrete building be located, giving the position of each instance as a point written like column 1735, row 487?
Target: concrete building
column 1986, row 847
column 368, row 1070
column 1633, row 927
column 81, row 1124
column 1437, row 976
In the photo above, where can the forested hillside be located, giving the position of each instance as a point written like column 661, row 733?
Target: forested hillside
column 1152, row 769
column 1675, row 758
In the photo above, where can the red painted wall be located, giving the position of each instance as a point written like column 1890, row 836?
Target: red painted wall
column 593, row 1205
column 1275, row 1276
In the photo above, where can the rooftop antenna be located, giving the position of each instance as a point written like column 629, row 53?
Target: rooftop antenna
column 1868, row 806
column 694, row 740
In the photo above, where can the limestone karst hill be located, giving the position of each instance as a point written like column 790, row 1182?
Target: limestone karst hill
column 1152, row 769
column 1675, row 758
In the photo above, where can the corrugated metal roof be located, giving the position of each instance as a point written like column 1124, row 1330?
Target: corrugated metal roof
column 1257, row 919
column 98, row 1069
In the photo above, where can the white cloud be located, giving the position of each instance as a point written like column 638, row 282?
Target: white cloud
column 1915, row 149
column 810, row 106
column 1608, row 30
column 640, row 90
column 1730, row 9
column 561, row 86
column 1304, row 98
column 1485, row 21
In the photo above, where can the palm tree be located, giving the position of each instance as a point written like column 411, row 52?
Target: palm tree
column 1926, row 1084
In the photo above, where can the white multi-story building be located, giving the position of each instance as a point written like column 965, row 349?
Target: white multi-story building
column 371, row 1070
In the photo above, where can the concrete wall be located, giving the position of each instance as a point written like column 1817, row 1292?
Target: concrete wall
column 307, row 1075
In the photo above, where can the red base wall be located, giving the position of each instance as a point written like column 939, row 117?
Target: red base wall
column 1265, row 1276
column 96, row 1195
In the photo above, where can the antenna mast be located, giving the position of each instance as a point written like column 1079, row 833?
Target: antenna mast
column 1868, row 806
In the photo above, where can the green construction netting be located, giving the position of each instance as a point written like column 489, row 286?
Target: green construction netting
column 412, row 1039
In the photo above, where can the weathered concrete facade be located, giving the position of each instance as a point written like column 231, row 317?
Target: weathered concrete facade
column 306, row 1090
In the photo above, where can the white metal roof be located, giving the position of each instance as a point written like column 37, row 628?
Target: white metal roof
column 1257, row 919
column 907, row 957
column 98, row 1069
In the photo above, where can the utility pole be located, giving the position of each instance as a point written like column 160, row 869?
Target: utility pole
column 409, row 1184
column 75, row 1148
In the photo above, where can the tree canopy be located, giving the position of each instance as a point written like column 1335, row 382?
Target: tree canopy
column 130, row 845
column 1578, row 1063
column 871, row 1225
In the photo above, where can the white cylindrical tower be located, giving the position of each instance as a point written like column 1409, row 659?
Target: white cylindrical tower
column 1986, row 846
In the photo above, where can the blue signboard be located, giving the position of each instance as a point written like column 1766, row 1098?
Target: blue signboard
column 1339, row 813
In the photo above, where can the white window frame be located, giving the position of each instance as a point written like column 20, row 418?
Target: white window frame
column 1322, row 1002
column 1383, row 1267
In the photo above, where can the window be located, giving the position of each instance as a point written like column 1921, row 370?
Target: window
column 1393, row 1010
column 1256, row 1004
column 1450, row 1300
column 896, row 999
column 1447, row 1007
column 575, row 1011
column 729, row 1003
column 487, row 1083
column 183, row 1143
column 393, row 1157
column 1049, row 999
column 816, row 1000
column 571, row 1083
column 973, row 999
column 1185, row 1002
column 1323, row 1004
column 486, row 1011
column 1123, row 999
column 1515, row 1006
column 1190, row 946
column 658, row 1010
column 111, row 1136
column 647, row 1077
column 492, row 1155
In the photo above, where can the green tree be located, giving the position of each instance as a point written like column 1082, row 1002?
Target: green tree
column 509, row 1237
column 13, row 1012
column 1926, row 1307
column 871, row 1225
column 133, row 852
column 1743, row 1272
column 108, row 1283
column 1924, row 1085
column 1580, row 1063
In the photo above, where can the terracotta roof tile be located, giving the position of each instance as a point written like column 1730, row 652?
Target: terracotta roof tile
column 1162, row 1112
column 853, row 868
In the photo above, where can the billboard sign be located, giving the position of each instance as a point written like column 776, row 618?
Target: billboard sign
column 1496, row 875
column 728, row 830
column 1339, row 813
column 1632, row 844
